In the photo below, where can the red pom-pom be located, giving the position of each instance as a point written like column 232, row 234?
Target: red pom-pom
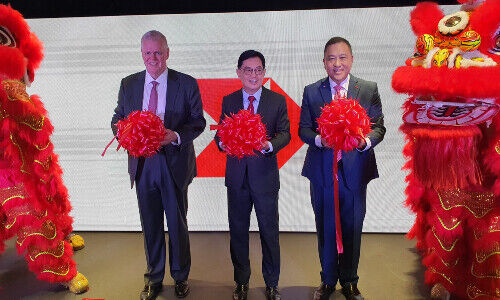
column 242, row 133
column 343, row 123
column 141, row 133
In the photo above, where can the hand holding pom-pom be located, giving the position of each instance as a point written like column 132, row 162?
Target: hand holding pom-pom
column 243, row 133
column 141, row 133
column 343, row 124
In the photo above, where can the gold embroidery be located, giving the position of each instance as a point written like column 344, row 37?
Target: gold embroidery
column 473, row 292
column 12, row 197
column 45, row 165
column 497, row 147
column 58, row 252
column 449, row 264
column 59, row 271
column 495, row 275
column 42, row 148
column 440, row 243
column 14, row 141
column 481, row 256
column 444, row 276
column 16, row 90
column 48, row 231
column 478, row 203
column 33, row 122
column 37, row 215
column 446, row 227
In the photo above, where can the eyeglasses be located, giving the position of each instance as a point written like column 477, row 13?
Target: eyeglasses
column 249, row 71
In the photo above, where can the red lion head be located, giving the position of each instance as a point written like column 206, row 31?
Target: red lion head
column 21, row 52
column 453, row 78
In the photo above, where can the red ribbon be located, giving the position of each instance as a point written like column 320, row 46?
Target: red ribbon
column 338, row 229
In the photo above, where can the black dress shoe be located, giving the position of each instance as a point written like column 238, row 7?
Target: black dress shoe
column 323, row 292
column 240, row 292
column 181, row 289
column 351, row 292
column 272, row 293
column 150, row 292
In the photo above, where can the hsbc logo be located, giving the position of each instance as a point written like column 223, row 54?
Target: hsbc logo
column 211, row 162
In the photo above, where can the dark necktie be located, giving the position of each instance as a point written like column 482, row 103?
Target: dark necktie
column 250, row 106
column 153, row 98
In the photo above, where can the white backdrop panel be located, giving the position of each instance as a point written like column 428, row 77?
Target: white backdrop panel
column 85, row 59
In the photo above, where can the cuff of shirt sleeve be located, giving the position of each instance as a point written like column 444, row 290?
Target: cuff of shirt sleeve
column 317, row 141
column 178, row 139
column 270, row 148
column 367, row 146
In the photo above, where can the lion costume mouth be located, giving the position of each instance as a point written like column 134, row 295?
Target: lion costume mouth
column 450, row 112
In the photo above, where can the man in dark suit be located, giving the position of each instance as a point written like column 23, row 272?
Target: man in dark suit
column 355, row 168
column 254, row 181
column 162, row 180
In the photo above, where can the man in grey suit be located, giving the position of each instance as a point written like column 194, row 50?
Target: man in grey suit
column 355, row 169
column 162, row 180
column 254, row 181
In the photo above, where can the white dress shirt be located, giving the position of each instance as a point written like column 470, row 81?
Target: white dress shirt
column 161, row 88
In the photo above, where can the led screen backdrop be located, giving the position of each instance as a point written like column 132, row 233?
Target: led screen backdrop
column 85, row 59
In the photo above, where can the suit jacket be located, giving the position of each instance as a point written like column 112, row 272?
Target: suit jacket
column 183, row 114
column 263, row 173
column 359, row 167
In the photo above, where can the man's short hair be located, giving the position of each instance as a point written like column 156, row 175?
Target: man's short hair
column 154, row 35
column 249, row 54
column 336, row 40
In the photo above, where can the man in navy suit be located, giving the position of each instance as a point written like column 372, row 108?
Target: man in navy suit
column 355, row 168
column 162, row 180
column 254, row 181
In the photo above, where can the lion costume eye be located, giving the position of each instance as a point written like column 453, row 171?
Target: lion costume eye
column 496, row 43
column 6, row 38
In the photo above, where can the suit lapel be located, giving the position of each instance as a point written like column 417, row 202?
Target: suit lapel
column 263, row 99
column 238, row 102
column 138, row 92
column 353, row 89
column 325, row 91
column 172, row 90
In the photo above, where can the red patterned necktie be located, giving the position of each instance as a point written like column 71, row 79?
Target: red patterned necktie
column 153, row 98
column 250, row 106
column 338, row 93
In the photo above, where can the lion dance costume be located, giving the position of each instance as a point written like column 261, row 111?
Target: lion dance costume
column 452, row 129
column 34, row 202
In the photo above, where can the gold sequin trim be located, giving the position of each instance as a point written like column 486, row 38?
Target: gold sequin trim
column 441, row 244
column 12, row 197
column 497, row 147
column 494, row 227
column 478, row 203
column 57, row 252
column 45, row 165
column 473, row 292
column 444, row 276
column 33, row 122
column 43, row 147
column 446, row 227
column 61, row 271
column 14, row 141
column 48, row 231
column 449, row 264
column 495, row 275
column 16, row 90
column 481, row 256
column 37, row 215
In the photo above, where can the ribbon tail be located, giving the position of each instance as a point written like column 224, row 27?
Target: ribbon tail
column 105, row 149
column 338, row 229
